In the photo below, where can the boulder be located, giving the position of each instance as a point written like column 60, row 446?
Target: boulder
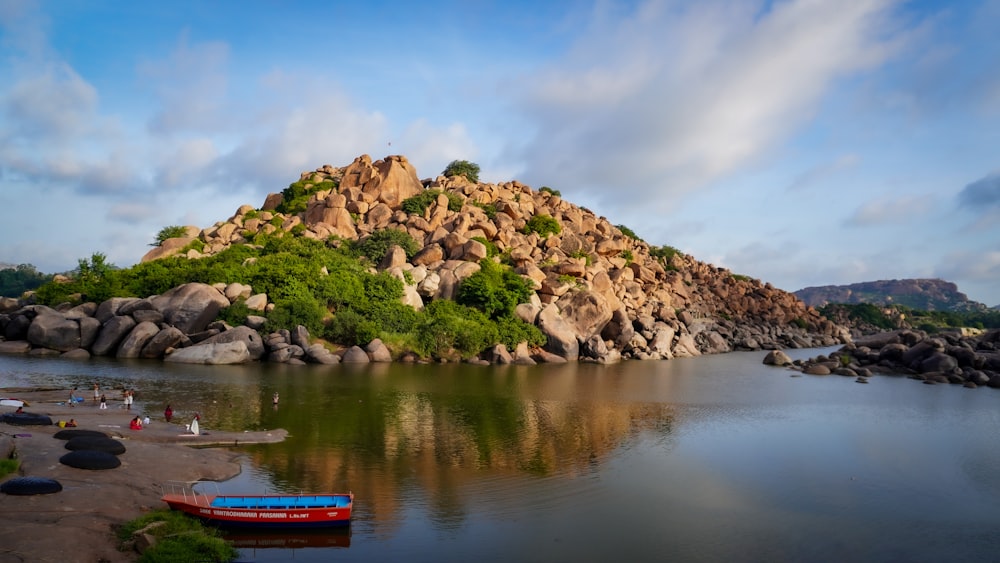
column 378, row 351
column 50, row 329
column 586, row 311
column 132, row 345
column 560, row 335
column 165, row 339
column 355, row 355
column 212, row 354
column 190, row 307
column 249, row 337
column 777, row 358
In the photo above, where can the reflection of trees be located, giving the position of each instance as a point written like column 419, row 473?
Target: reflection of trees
column 402, row 436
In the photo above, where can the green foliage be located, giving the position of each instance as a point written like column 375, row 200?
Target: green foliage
column 296, row 195
column 488, row 208
column 298, row 229
column 512, row 331
column 418, row 204
column 351, row 328
column 179, row 538
column 197, row 245
column 8, row 465
column 494, row 289
column 462, row 168
column 236, row 313
column 627, row 255
column 628, row 232
column 665, row 253
column 544, row 225
column 588, row 260
column 294, row 306
column 173, row 231
column 491, row 249
column 449, row 329
column 252, row 214
column 556, row 193
column 375, row 246
column 860, row 313
column 800, row 322
column 741, row 277
column 15, row 281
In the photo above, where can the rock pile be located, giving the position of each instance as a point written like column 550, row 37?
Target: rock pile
column 968, row 360
column 599, row 294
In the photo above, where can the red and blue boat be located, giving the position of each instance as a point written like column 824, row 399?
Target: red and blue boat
column 264, row 511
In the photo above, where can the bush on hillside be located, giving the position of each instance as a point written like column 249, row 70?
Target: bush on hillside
column 462, row 168
column 375, row 245
column 544, row 225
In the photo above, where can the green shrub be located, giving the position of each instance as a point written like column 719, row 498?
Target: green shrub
column 491, row 249
column 544, row 225
column 488, row 208
column 664, row 253
column 449, row 329
column 179, row 538
column 196, row 245
column 296, row 196
column 351, row 328
column 173, row 231
column 375, row 245
column 627, row 232
column 418, row 204
column 582, row 254
column 512, row 331
column 556, row 193
column 494, row 289
column 462, row 168
column 236, row 313
column 8, row 465
column 627, row 255
column 741, row 277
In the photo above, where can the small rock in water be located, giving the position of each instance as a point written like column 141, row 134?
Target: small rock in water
column 861, row 380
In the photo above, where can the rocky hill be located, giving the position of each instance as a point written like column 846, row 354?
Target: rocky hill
column 922, row 294
column 599, row 293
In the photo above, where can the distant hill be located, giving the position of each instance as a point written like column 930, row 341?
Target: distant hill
column 922, row 294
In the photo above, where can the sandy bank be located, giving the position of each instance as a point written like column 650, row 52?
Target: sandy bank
column 76, row 523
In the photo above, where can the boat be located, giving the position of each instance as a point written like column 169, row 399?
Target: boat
column 11, row 402
column 262, row 511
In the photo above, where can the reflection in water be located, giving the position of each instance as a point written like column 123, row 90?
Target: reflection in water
column 705, row 459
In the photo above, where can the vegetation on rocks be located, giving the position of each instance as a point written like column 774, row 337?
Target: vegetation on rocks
column 171, row 231
column 462, row 168
column 15, row 281
column 177, row 538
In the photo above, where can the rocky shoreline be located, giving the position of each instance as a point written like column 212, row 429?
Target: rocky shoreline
column 77, row 523
column 951, row 357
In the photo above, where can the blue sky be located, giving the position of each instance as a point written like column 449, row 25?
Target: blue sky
column 803, row 142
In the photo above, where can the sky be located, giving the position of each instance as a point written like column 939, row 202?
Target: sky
column 800, row 142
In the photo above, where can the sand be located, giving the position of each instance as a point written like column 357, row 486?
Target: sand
column 77, row 524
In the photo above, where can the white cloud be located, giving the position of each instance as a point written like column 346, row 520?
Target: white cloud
column 674, row 97
column 886, row 210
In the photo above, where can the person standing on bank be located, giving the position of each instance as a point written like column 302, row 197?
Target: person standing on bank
column 168, row 413
column 97, row 392
column 104, row 402
column 274, row 400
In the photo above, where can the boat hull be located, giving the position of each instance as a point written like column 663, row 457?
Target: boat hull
column 243, row 514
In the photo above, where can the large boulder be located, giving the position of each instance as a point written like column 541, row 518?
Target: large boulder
column 212, row 354
column 560, row 336
column 50, row 329
column 132, row 346
column 112, row 333
column 190, row 307
column 167, row 338
column 248, row 336
column 586, row 311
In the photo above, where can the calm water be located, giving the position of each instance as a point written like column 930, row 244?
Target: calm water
column 708, row 459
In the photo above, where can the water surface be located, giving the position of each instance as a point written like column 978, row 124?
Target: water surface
column 704, row 459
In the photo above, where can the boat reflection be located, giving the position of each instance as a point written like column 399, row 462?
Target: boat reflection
column 263, row 539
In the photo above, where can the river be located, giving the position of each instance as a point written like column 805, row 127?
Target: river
column 717, row 458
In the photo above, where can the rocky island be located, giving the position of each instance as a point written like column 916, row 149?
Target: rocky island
column 597, row 292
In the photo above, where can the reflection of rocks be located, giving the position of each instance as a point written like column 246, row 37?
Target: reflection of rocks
column 949, row 357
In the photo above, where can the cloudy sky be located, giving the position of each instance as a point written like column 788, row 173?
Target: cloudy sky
column 802, row 142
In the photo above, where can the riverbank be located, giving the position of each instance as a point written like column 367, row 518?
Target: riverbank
column 77, row 523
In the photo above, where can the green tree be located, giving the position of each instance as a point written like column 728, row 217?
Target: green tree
column 462, row 168
column 173, row 231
